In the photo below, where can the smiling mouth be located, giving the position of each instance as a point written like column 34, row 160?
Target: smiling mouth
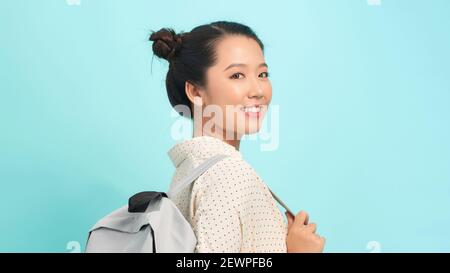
column 255, row 111
column 252, row 109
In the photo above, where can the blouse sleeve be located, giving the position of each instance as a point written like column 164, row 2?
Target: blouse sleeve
column 216, row 223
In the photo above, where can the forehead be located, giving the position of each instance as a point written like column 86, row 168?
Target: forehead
column 238, row 49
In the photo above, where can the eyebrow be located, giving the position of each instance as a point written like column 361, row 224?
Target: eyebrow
column 239, row 64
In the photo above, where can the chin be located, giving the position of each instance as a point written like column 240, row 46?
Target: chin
column 250, row 128
column 251, row 131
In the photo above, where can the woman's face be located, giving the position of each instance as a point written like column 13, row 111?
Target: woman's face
column 238, row 81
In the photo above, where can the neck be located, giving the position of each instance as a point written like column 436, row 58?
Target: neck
column 219, row 134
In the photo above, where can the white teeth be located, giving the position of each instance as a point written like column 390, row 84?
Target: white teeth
column 253, row 109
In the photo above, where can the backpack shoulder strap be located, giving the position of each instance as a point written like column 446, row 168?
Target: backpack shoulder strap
column 203, row 168
column 199, row 170
column 281, row 202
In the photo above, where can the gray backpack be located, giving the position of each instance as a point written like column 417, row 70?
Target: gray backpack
column 150, row 222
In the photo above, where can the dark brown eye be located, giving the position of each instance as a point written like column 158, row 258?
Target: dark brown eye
column 267, row 74
column 234, row 76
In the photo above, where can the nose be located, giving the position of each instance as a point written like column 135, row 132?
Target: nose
column 256, row 91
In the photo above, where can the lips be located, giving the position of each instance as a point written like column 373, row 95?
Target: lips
column 255, row 110
column 252, row 109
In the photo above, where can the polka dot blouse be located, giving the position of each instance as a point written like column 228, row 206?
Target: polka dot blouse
column 229, row 206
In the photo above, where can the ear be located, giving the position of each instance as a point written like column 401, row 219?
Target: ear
column 194, row 93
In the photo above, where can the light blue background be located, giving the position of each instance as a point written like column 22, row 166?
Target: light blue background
column 364, row 95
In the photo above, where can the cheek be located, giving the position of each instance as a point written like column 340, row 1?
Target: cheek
column 236, row 95
column 227, row 93
column 268, row 92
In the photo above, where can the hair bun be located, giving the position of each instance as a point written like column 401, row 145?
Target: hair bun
column 166, row 43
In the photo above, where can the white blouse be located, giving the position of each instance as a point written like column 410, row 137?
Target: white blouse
column 229, row 206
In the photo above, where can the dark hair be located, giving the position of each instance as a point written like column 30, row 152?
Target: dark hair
column 191, row 54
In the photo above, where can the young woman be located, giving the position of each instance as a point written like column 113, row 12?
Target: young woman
column 221, row 66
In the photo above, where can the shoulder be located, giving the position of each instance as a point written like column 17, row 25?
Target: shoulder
column 230, row 171
column 230, row 179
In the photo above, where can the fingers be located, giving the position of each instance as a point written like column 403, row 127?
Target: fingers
column 322, row 242
column 302, row 218
column 320, row 238
column 311, row 227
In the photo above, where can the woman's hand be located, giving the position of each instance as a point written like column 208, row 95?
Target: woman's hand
column 301, row 236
